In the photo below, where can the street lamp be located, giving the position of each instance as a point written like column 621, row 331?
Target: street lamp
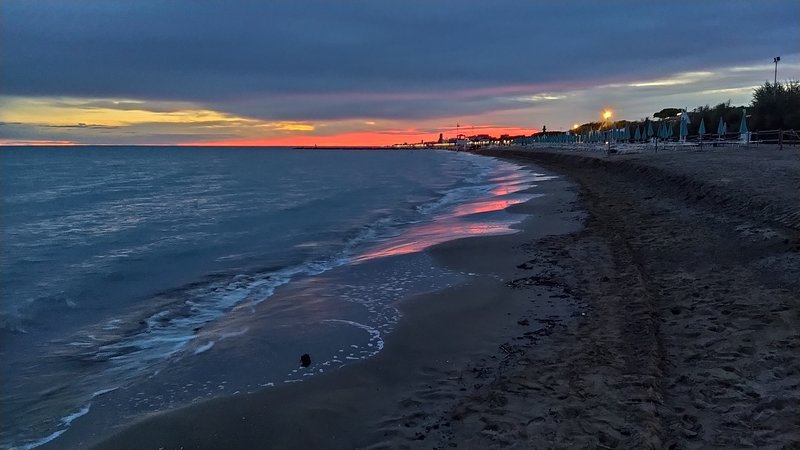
column 606, row 116
column 776, row 60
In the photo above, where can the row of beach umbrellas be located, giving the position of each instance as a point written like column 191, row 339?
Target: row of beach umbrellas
column 665, row 131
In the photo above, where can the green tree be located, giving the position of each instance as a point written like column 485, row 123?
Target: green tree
column 667, row 113
column 702, row 113
column 776, row 106
column 732, row 115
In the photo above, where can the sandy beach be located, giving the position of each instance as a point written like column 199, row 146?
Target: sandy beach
column 649, row 301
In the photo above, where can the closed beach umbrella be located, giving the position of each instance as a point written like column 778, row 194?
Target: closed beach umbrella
column 626, row 135
column 702, row 129
column 684, row 131
column 669, row 130
column 721, row 127
column 743, row 127
column 649, row 132
column 638, row 134
column 743, row 124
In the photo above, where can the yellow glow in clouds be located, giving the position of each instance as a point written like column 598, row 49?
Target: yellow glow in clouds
column 70, row 111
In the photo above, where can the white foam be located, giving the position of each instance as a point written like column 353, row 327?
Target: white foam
column 104, row 391
column 39, row 442
column 205, row 347
column 375, row 335
column 66, row 421
column 230, row 334
column 454, row 196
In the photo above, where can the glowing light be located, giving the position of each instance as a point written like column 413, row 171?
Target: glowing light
column 606, row 114
column 575, row 126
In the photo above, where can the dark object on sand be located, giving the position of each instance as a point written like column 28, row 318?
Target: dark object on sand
column 305, row 360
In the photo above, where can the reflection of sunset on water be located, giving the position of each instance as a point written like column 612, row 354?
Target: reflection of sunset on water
column 511, row 178
column 508, row 189
column 462, row 220
column 418, row 239
column 486, row 206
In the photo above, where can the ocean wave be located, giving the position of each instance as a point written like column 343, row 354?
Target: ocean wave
column 145, row 334
column 453, row 197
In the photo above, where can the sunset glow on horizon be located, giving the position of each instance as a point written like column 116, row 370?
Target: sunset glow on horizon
column 366, row 139
column 355, row 76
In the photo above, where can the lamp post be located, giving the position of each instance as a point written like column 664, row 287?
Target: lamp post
column 607, row 115
column 776, row 60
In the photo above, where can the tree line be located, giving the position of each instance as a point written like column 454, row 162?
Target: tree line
column 774, row 106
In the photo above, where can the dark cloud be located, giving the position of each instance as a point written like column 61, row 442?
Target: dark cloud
column 270, row 59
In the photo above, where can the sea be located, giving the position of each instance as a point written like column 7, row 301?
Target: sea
column 135, row 280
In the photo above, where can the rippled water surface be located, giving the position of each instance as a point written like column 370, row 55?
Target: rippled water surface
column 139, row 279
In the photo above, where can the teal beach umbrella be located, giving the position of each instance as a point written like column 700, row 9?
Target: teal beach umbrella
column 649, row 132
column 702, row 129
column 638, row 134
column 684, row 130
column 743, row 124
column 626, row 135
column 721, row 127
column 743, row 134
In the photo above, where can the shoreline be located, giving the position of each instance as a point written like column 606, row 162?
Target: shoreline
column 479, row 293
column 217, row 354
column 669, row 320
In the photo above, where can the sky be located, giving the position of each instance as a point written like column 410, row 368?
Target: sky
column 371, row 72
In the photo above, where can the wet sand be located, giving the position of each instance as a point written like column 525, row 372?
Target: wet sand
column 690, row 265
column 651, row 301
